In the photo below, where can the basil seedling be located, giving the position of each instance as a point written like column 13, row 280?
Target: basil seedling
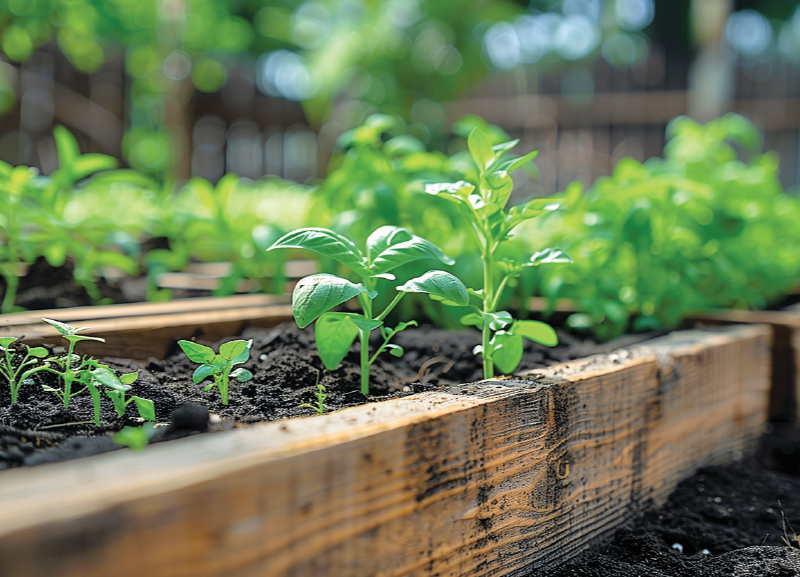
column 219, row 366
column 484, row 207
column 387, row 248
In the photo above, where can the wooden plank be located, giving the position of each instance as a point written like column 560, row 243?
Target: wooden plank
column 785, row 326
column 152, row 329
column 493, row 478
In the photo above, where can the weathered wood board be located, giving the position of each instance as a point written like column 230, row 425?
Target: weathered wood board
column 492, row 478
column 143, row 330
column 784, row 399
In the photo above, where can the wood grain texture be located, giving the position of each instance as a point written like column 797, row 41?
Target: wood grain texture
column 785, row 325
column 493, row 478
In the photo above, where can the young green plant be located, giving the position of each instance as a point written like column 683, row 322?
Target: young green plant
column 89, row 373
column 16, row 372
column 387, row 248
column 484, row 207
column 219, row 366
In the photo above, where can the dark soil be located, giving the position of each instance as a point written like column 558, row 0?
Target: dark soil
column 724, row 521
column 286, row 370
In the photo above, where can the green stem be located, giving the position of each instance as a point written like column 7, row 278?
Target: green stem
column 397, row 299
column 10, row 296
column 69, row 375
column 223, row 389
column 365, row 362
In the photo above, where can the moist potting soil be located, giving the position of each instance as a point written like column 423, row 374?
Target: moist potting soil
column 286, row 369
column 738, row 520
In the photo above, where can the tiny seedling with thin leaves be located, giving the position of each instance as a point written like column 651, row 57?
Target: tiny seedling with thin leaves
column 18, row 373
column 387, row 248
column 219, row 366
column 484, row 207
column 137, row 438
column 321, row 393
column 89, row 373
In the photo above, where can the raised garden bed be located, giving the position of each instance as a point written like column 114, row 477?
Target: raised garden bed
column 488, row 478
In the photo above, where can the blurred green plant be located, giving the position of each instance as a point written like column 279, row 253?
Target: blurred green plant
column 706, row 226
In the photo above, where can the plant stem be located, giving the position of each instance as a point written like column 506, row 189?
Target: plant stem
column 364, row 361
column 488, row 307
column 12, row 282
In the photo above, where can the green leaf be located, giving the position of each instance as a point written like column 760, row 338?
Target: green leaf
column 87, row 164
column 197, row 352
column 395, row 350
column 363, row 322
column 405, row 251
column 327, row 243
column 334, row 333
column 481, row 149
column 244, row 356
column 147, row 409
column 242, row 375
column 136, row 438
column 66, row 147
column 506, row 351
column 233, row 349
column 63, row 328
column 38, row 352
column 129, row 378
column 383, row 238
column 441, row 284
column 317, row 294
column 505, row 146
column 108, row 378
column 549, row 256
column 459, row 189
column 536, row 331
column 472, row 319
column 209, row 386
column 498, row 320
column 79, row 338
column 201, row 372
column 5, row 341
column 502, row 185
column 403, row 326
column 512, row 165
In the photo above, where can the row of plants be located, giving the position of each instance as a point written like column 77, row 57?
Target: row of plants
column 706, row 226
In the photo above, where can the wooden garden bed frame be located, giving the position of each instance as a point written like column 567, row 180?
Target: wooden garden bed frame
column 481, row 479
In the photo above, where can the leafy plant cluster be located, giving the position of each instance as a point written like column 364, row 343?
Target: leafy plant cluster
column 75, row 374
column 98, row 218
column 706, row 226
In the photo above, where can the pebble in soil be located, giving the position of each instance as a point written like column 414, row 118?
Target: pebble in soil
column 286, row 370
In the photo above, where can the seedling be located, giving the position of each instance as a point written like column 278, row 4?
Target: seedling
column 484, row 207
column 18, row 373
column 387, row 248
column 219, row 366
column 137, row 438
column 320, row 407
column 90, row 373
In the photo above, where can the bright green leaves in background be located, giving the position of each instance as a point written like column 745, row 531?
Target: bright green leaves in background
column 388, row 248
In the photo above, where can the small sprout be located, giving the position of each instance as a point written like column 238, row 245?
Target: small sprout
column 219, row 366
column 320, row 407
column 19, row 373
column 137, row 438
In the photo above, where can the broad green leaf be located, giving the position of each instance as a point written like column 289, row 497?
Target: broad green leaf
column 334, row 333
column 327, row 243
column 197, row 352
column 383, row 238
column 441, row 284
column 363, row 322
column 498, row 320
column 549, row 256
column 536, row 331
column 244, row 356
column 129, row 378
column 108, row 378
column 38, row 352
column 501, row 186
column 5, row 341
column 415, row 248
column 232, row 349
column 317, row 294
column 202, row 372
column 472, row 319
column 481, row 149
column 242, row 375
column 506, row 351
column 147, row 409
